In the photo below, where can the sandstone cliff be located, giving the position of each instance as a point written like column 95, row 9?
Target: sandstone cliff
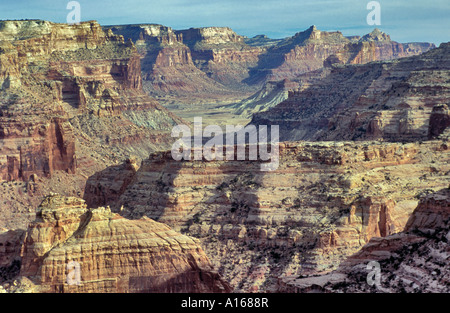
column 112, row 254
column 222, row 54
column 274, row 92
column 169, row 63
column 218, row 64
column 413, row 261
column 72, row 101
column 323, row 203
column 67, row 73
column 378, row 101
column 312, row 50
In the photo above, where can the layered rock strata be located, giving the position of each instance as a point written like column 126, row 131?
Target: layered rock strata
column 391, row 101
column 312, row 49
column 70, row 248
column 413, row 261
column 59, row 76
column 313, row 52
column 72, row 103
column 169, row 64
column 322, row 204
column 217, row 63
column 222, row 54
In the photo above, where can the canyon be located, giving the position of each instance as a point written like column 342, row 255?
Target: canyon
column 217, row 64
column 323, row 204
column 387, row 100
column 87, row 176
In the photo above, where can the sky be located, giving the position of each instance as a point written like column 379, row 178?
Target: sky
column 404, row 20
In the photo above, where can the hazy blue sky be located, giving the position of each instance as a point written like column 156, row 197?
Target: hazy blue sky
column 404, row 20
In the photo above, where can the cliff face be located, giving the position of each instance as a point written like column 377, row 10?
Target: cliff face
column 411, row 261
column 112, row 254
column 222, row 54
column 382, row 100
column 35, row 147
column 323, row 203
column 313, row 52
column 275, row 92
column 304, row 58
column 215, row 61
column 168, row 66
column 71, row 101
column 54, row 74
column 312, row 49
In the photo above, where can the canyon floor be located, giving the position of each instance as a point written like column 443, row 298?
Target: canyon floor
column 220, row 114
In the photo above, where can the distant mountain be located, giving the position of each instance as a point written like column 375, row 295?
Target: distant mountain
column 313, row 50
column 199, row 63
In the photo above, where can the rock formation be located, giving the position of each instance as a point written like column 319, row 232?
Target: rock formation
column 439, row 120
column 312, row 50
column 323, row 203
column 377, row 101
column 80, row 72
column 222, row 54
column 10, row 246
column 169, row 61
column 217, row 63
column 72, row 101
column 75, row 119
column 309, row 50
column 415, row 260
column 110, row 253
column 274, row 92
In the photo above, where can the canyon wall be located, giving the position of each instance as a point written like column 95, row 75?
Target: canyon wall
column 312, row 49
column 323, row 203
column 391, row 101
column 315, row 50
column 71, row 104
column 169, row 64
column 58, row 76
column 35, row 147
column 411, row 261
column 217, row 63
column 222, row 54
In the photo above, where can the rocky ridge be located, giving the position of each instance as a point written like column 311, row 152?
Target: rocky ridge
column 175, row 63
column 111, row 253
column 216, row 62
column 315, row 50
